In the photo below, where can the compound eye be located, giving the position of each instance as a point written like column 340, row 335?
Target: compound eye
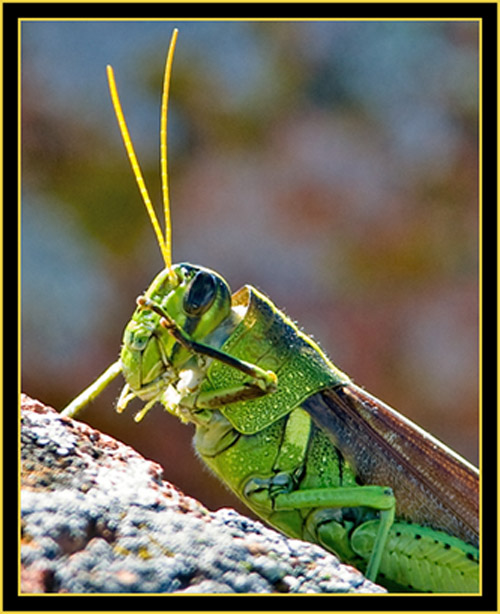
column 200, row 294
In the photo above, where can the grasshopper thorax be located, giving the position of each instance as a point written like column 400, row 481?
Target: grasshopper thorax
column 194, row 300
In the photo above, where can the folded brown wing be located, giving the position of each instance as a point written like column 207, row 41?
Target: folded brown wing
column 433, row 485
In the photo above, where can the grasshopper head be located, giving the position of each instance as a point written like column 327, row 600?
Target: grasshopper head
column 198, row 300
column 192, row 301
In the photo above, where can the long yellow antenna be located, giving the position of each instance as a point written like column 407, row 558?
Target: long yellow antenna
column 163, row 141
column 164, row 243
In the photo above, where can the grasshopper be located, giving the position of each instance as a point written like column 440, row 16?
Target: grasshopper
column 300, row 443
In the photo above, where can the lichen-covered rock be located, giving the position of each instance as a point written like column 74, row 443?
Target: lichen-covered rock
column 98, row 518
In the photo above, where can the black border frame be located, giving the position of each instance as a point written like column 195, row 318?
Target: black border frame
column 485, row 11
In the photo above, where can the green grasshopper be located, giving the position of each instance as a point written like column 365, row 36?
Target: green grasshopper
column 305, row 448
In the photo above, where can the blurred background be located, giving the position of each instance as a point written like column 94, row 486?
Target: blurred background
column 334, row 165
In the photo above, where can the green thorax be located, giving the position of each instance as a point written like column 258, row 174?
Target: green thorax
column 267, row 337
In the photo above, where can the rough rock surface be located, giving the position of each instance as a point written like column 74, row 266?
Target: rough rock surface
column 98, row 518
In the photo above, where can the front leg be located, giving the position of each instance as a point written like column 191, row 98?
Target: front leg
column 185, row 400
column 261, row 381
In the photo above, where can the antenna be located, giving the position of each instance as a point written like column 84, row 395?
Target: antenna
column 163, row 145
column 165, row 243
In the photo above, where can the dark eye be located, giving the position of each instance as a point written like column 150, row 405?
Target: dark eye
column 200, row 294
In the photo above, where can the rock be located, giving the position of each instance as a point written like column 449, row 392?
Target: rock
column 97, row 517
